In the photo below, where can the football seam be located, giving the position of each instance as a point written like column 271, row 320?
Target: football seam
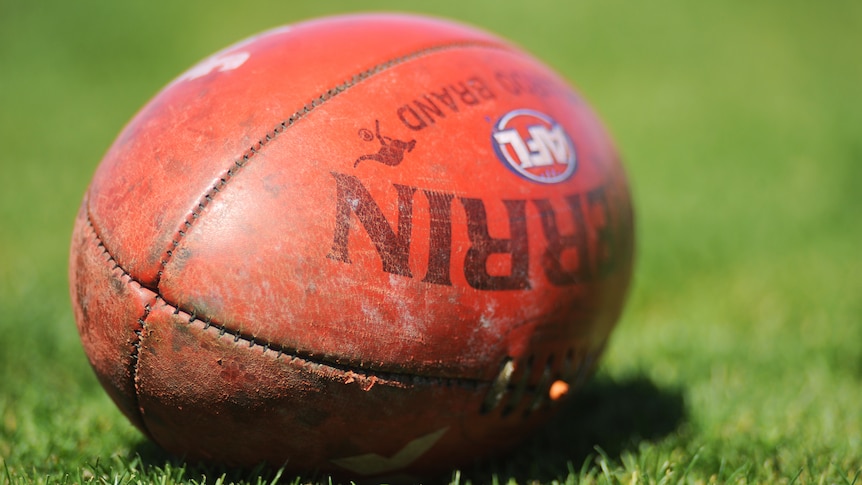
column 134, row 341
column 237, row 164
column 294, row 355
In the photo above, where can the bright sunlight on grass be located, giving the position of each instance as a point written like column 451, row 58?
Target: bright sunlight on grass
column 739, row 358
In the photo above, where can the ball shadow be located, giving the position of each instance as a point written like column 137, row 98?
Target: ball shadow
column 613, row 415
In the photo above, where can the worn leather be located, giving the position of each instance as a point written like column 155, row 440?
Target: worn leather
column 307, row 249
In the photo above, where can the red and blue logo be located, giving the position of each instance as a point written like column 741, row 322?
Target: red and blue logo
column 534, row 146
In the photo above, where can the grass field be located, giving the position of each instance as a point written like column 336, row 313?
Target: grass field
column 739, row 358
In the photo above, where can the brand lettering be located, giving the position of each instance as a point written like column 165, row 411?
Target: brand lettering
column 440, row 239
column 567, row 259
column 557, row 243
column 429, row 107
column 544, row 147
column 534, row 146
column 393, row 248
column 484, row 246
column 609, row 247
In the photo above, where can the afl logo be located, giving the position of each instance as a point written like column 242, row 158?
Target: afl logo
column 534, row 146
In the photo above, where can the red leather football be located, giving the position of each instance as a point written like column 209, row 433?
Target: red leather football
column 364, row 245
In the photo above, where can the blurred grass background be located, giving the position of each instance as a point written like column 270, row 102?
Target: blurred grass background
column 740, row 355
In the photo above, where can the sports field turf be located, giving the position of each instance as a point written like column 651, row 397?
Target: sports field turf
column 739, row 358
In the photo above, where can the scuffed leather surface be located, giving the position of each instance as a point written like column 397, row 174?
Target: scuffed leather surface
column 202, row 272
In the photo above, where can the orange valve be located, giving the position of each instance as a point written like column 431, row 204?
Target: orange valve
column 558, row 390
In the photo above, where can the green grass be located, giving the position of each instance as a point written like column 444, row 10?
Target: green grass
column 739, row 358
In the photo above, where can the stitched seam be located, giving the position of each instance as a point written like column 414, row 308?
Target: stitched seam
column 228, row 175
column 306, row 359
column 301, row 113
column 137, row 333
column 277, row 351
